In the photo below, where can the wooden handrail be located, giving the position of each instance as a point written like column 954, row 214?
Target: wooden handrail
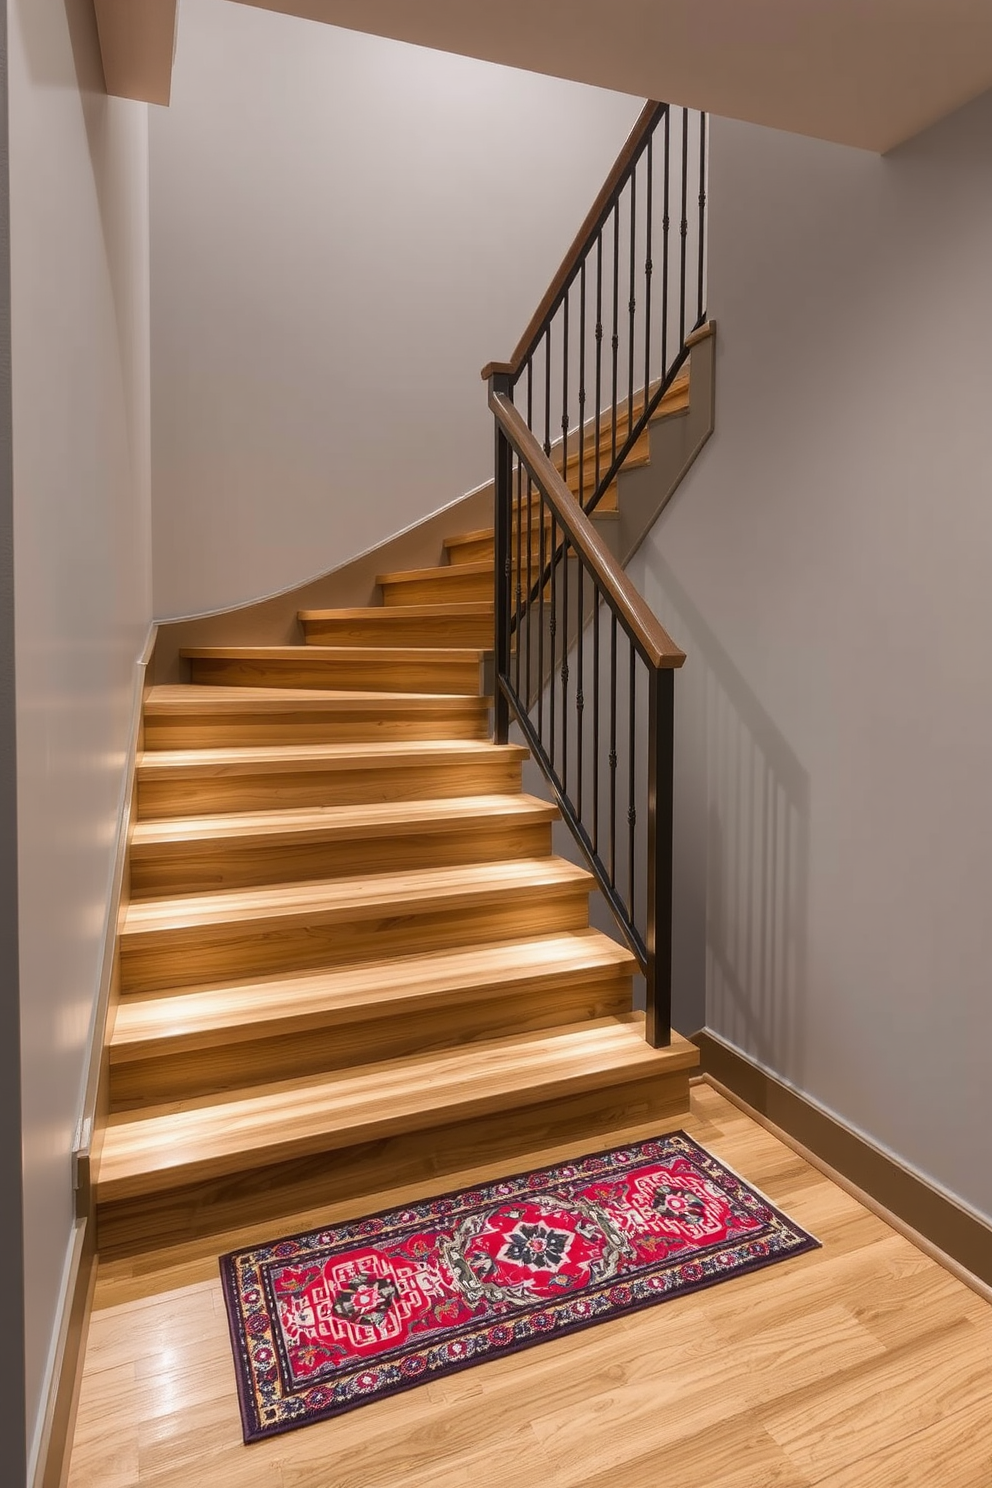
column 583, row 239
column 650, row 637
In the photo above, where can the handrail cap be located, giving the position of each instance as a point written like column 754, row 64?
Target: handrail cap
column 701, row 333
column 497, row 369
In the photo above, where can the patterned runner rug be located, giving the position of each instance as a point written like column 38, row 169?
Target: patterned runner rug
column 332, row 1319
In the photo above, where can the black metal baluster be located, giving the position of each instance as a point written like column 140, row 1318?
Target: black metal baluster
column 580, row 682
column 648, row 269
column 564, row 390
column 665, row 225
column 685, row 220
column 702, row 215
column 547, row 393
column 631, row 796
column 518, row 586
column 613, row 749
column 632, row 302
column 564, row 663
column 595, row 717
column 582, row 382
column 599, row 352
column 658, row 922
column 616, row 323
column 540, row 625
column 527, row 591
column 553, row 628
column 530, row 503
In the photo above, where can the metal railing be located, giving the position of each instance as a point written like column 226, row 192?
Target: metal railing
column 581, row 662
column 611, row 330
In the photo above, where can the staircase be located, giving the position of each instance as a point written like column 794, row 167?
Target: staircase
column 350, row 957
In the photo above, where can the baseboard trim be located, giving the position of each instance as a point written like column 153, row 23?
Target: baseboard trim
column 51, row 1467
column 957, row 1239
column 54, row 1441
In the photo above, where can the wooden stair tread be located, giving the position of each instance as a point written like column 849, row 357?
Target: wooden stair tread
column 373, row 654
column 488, row 534
column 347, row 899
column 168, row 764
column 203, row 1017
column 376, row 819
column 182, row 698
column 673, row 401
column 166, row 1147
column 445, row 571
column 468, row 609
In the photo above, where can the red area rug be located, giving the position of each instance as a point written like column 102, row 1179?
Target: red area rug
column 329, row 1320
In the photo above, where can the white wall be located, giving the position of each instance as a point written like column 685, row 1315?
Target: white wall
column 827, row 567
column 79, row 301
column 344, row 230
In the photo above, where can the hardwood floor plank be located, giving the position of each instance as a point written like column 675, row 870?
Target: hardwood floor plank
column 845, row 1420
column 665, row 1395
column 737, row 1453
column 954, row 1452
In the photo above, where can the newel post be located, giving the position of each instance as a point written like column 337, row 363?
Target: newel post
column 658, row 937
column 501, row 383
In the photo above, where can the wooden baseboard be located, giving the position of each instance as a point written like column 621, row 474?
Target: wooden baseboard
column 55, row 1445
column 953, row 1236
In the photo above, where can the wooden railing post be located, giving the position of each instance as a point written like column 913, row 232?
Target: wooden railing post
column 501, row 383
column 658, row 927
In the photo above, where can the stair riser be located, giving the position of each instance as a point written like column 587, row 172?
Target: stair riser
column 235, row 1064
column 454, row 590
column 243, row 730
column 461, row 678
column 216, row 953
column 201, row 867
column 483, row 549
column 203, row 795
column 402, row 631
column 509, row 1139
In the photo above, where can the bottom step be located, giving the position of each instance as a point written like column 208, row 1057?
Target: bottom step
column 178, row 1173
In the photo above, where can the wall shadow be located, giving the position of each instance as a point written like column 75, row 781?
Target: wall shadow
column 741, row 851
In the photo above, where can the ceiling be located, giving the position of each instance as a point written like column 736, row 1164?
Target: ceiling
column 869, row 73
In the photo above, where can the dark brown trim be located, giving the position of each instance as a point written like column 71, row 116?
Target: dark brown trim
column 948, row 1232
column 60, row 1418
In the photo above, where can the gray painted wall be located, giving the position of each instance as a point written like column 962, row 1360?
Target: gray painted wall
column 827, row 568
column 328, row 279
column 81, row 479
column 12, row 1393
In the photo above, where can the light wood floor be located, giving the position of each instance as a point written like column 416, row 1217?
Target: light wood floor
column 861, row 1365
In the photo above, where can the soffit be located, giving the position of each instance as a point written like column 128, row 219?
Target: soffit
column 869, row 73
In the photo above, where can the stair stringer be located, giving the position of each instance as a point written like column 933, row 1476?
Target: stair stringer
column 645, row 491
